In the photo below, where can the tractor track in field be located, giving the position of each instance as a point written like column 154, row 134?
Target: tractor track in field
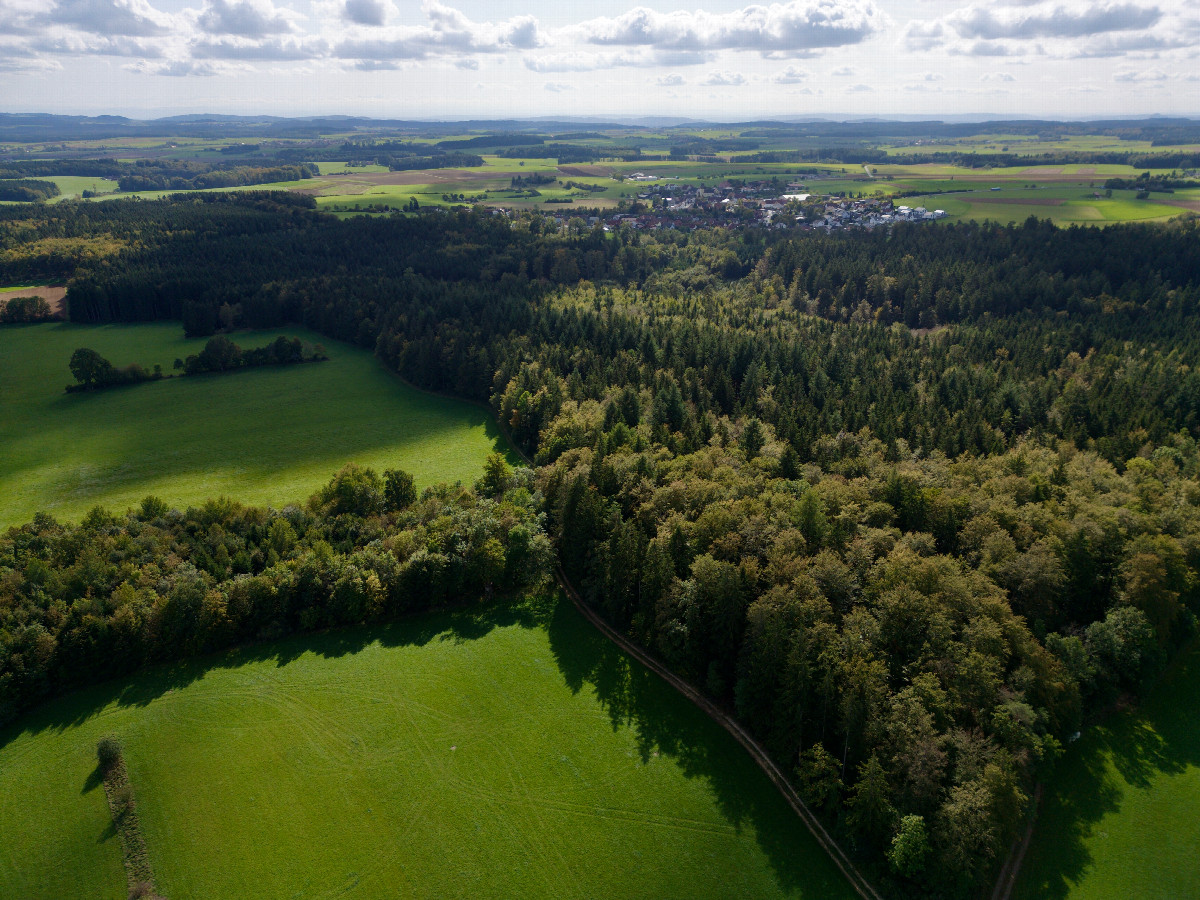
column 832, row 848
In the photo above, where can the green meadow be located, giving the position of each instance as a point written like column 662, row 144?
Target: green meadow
column 264, row 436
column 1121, row 815
column 487, row 753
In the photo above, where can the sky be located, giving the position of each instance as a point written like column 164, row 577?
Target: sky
column 723, row 61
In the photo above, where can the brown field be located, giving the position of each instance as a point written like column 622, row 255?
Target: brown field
column 1193, row 205
column 54, row 294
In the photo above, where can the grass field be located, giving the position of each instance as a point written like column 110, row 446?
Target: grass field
column 269, row 435
column 498, row 753
column 1122, row 816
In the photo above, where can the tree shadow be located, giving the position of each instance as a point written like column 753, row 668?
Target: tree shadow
column 143, row 687
column 664, row 723
column 1127, row 752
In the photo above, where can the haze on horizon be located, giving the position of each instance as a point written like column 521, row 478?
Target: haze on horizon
column 513, row 58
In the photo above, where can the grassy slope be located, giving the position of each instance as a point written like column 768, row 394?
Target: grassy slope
column 494, row 754
column 1123, row 816
column 269, row 435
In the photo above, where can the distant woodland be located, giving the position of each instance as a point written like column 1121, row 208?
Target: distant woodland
column 916, row 504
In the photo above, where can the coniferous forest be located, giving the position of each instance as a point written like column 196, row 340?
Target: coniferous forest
column 916, row 504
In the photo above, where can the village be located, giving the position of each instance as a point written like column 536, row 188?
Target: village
column 737, row 204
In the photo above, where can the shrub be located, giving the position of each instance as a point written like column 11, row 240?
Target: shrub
column 108, row 752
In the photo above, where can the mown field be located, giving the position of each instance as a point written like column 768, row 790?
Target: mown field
column 1121, row 817
column 265, row 436
column 496, row 753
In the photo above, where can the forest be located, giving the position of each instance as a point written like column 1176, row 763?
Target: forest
column 916, row 504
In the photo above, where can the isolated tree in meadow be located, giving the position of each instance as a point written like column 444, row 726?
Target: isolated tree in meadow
column 108, row 752
column 89, row 367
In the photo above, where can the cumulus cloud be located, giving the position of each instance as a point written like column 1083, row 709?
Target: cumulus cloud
column 671, row 80
column 844, row 71
column 1132, row 76
column 448, row 33
column 132, row 18
column 725, row 79
column 365, row 12
column 860, row 89
column 997, row 76
column 791, row 75
column 557, row 87
column 590, row 62
column 245, row 18
column 274, row 49
column 178, row 68
column 1058, row 29
column 791, row 28
column 992, row 23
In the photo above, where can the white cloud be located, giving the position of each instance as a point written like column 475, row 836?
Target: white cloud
column 1057, row 29
column 671, row 80
column 860, row 89
column 1132, row 76
column 245, row 18
column 558, row 87
column 366, row 12
column 794, row 28
column 791, row 75
column 997, row 76
column 725, row 79
column 133, row 18
column 844, row 71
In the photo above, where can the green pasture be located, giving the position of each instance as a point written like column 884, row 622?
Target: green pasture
column 16, row 288
column 73, row 186
column 1121, row 817
column 265, row 436
column 488, row 753
column 1062, row 204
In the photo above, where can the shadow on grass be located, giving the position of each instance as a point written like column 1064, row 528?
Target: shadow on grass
column 662, row 722
column 1159, row 738
column 144, row 687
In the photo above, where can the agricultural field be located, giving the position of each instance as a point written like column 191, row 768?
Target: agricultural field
column 1121, row 817
column 1062, row 205
column 265, row 436
column 486, row 753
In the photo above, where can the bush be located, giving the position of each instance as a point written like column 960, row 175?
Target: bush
column 108, row 752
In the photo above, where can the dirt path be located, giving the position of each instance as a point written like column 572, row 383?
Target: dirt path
column 858, row 882
column 1007, row 879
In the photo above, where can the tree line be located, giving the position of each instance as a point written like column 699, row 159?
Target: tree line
column 87, row 602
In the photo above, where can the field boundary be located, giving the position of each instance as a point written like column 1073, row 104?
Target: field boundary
column 1007, row 879
column 832, row 848
column 123, row 809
